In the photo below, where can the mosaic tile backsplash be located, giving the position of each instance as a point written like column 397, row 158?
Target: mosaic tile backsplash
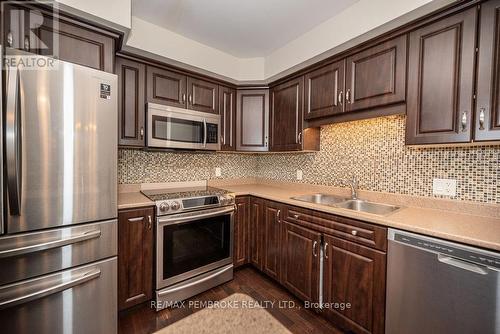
column 372, row 150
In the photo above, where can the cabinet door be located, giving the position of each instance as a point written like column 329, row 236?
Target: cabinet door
column 487, row 120
column 286, row 116
column 324, row 91
column 241, row 230
column 166, row 87
column 227, row 109
column 440, row 81
column 131, row 102
column 272, row 239
column 135, row 256
column 354, row 274
column 376, row 77
column 256, row 231
column 252, row 117
column 202, row 95
column 300, row 261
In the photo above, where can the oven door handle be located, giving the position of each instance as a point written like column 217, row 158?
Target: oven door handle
column 190, row 216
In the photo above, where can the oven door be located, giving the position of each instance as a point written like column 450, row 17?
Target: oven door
column 170, row 127
column 189, row 244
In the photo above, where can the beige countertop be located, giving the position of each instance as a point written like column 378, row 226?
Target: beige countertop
column 476, row 230
column 133, row 199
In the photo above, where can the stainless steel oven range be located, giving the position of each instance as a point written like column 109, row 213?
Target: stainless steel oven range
column 194, row 242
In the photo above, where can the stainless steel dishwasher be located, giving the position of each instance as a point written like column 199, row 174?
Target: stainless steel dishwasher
column 436, row 286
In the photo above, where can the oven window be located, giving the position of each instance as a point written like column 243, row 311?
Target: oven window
column 176, row 129
column 191, row 245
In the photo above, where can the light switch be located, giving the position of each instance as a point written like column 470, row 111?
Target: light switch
column 299, row 174
column 218, row 171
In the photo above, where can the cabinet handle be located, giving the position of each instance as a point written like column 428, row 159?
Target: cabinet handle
column 222, row 139
column 190, row 99
column 10, row 39
column 348, row 96
column 315, row 253
column 464, row 121
column 150, row 222
column 296, row 216
column 299, row 137
column 354, row 232
column 340, row 98
column 278, row 216
column 325, row 249
column 141, row 132
column 184, row 97
column 481, row 118
column 26, row 43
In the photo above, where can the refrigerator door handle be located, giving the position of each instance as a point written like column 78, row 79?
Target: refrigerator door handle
column 50, row 244
column 48, row 288
column 13, row 142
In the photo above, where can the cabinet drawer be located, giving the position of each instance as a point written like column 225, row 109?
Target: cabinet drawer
column 346, row 228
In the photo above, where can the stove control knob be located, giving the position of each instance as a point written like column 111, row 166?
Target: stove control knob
column 175, row 205
column 230, row 199
column 222, row 200
column 164, row 207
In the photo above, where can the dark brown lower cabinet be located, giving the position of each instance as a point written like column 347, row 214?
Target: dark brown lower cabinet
column 135, row 256
column 256, row 231
column 241, row 231
column 301, row 261
column 356, row 275
column 272, row 239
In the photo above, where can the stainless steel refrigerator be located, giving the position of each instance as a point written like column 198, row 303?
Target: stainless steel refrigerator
column 58, row 247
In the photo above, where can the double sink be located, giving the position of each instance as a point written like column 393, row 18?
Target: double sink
column 350, row 204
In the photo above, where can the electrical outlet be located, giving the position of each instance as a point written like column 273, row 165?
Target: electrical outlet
column 444, row 187
column 218, row 172
column 299, row 174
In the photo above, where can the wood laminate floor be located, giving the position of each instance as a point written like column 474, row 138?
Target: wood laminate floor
column 142, row 319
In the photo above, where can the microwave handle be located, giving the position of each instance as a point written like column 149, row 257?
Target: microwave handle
column 205, row 132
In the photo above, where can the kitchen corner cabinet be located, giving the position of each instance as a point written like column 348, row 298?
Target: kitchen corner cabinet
column 272, row 239
column 441, row 80
column 241, row 245
column 252, row 117
column 356, row 275
column 131, row 102
column 301, row 261
column 286, row 120
column 227, row 110
column 256, row 232
column 135, row 256
column 487, row 120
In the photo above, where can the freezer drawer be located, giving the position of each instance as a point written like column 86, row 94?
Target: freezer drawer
column 27, row 255
column 80, row 300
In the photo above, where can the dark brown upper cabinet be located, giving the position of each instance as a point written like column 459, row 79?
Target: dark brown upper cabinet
column 202, row 95
column 324, row 89
column 441, row 81
column 487, row 120
column 252, row 120
column 166, row 87
column 376, row 77
column 131, row 102
column 301, row 261
column 227, row 110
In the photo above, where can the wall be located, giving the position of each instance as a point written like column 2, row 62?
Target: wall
column 372, row 150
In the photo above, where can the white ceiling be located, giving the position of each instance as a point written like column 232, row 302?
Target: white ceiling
column 242, row 28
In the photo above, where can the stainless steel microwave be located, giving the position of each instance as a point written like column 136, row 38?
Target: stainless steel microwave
column 177, row 128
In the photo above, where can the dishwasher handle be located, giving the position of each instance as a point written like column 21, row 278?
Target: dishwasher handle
column 462, row 264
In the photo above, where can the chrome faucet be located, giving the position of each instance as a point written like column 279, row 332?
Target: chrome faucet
column 354, row 187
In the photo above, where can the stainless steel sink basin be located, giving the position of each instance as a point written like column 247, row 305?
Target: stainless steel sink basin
column 324, row 199
column 368, row 207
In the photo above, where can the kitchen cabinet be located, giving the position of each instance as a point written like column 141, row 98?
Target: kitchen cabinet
column 227, row 110
column 441, row 80
column 487, row 120
column 256, row 232
column 135, row 256
column 324, row 89
column 241, row 245
column 301, row 261
column 272, row 239
column 356, row 275
column 286, row 120
column 202, row 95
column 252, row 117
column 166, row 87
column 376, row 77
column 131, row 102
